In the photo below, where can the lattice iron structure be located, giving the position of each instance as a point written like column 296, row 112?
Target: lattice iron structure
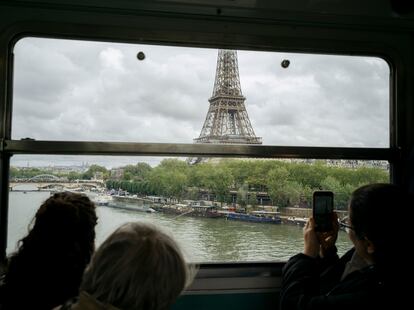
column 227, row 120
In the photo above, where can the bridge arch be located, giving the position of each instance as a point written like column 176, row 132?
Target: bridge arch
column 44, row 177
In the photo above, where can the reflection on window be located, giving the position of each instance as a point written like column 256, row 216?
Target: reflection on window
column 219, row 209
column 96, row 91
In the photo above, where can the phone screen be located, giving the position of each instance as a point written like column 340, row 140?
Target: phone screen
column 322, row 210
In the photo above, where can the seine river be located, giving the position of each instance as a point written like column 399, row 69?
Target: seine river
column 203, row 239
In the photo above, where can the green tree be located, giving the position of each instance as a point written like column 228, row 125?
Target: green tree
column 73, row 175
column 219, row 181
column 169, row 179
column 27, row 173
column 199, row 174
column 242, row 195
column 276, row 180
column 137, row 172
column 293, row 191
column 93, row 169
column 283, row 191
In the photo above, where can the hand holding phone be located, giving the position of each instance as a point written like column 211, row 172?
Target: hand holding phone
column 322, row 208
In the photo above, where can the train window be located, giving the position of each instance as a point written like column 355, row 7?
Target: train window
column 96, row 91
column 220, row 210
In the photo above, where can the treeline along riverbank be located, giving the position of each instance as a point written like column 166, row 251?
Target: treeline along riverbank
column 247, row 182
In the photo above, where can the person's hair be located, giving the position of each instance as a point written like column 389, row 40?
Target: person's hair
column 137, row 267
column 65, row 222
column 54, row 254
column 379, row 212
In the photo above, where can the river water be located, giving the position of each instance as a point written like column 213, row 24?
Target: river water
column 203, row 239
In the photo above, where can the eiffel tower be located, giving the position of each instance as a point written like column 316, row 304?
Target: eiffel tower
column 227, row 120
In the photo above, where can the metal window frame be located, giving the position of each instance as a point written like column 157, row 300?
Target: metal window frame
column 209, row 30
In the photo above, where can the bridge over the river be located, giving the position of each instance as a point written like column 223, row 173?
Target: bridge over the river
column 45, row 182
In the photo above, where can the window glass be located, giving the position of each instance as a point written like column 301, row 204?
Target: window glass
column 96, row 91
column 220, row 210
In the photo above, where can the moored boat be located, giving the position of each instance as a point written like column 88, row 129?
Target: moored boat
column 192, row 208
column 204, row 211
column 132, row 207
column 301, row 221
column 102, row 200
column 256, row 217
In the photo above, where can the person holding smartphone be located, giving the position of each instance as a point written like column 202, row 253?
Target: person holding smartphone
column 372, row 273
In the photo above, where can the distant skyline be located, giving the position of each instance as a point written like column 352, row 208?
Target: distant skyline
column 96, row 91
column 70, row 160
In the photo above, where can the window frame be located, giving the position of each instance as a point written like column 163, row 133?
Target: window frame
column 228, row 32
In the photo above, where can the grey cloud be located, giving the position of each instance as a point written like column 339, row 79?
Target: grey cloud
column 99, row 91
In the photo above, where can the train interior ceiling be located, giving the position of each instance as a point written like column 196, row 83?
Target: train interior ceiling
column 372, row 28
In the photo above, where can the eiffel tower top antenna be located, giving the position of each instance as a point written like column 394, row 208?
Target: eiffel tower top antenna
column 227, row 120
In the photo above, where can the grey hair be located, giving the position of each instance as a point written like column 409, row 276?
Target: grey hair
column 138, row 267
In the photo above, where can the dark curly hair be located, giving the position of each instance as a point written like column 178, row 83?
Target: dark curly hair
column 47, row 268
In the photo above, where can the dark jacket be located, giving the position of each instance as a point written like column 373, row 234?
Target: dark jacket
column 41, row 284
column 85, row 302
column 313, row 283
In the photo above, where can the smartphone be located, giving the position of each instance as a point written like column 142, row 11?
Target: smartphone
column 323, row 205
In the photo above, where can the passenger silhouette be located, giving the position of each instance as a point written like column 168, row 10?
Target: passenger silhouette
column 137, row 267
column 369, row 275
column 47, row 268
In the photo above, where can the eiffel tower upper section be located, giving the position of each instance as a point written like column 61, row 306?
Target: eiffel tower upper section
column 227, row 120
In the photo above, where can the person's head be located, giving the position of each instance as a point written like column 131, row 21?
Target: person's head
column 64, row 223
column 137, row 267
column 378, row 219
column 48, row 266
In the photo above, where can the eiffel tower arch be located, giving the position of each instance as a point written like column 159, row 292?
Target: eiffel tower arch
column 227, row 120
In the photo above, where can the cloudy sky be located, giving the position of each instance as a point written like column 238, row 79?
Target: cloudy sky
column 92, row 91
